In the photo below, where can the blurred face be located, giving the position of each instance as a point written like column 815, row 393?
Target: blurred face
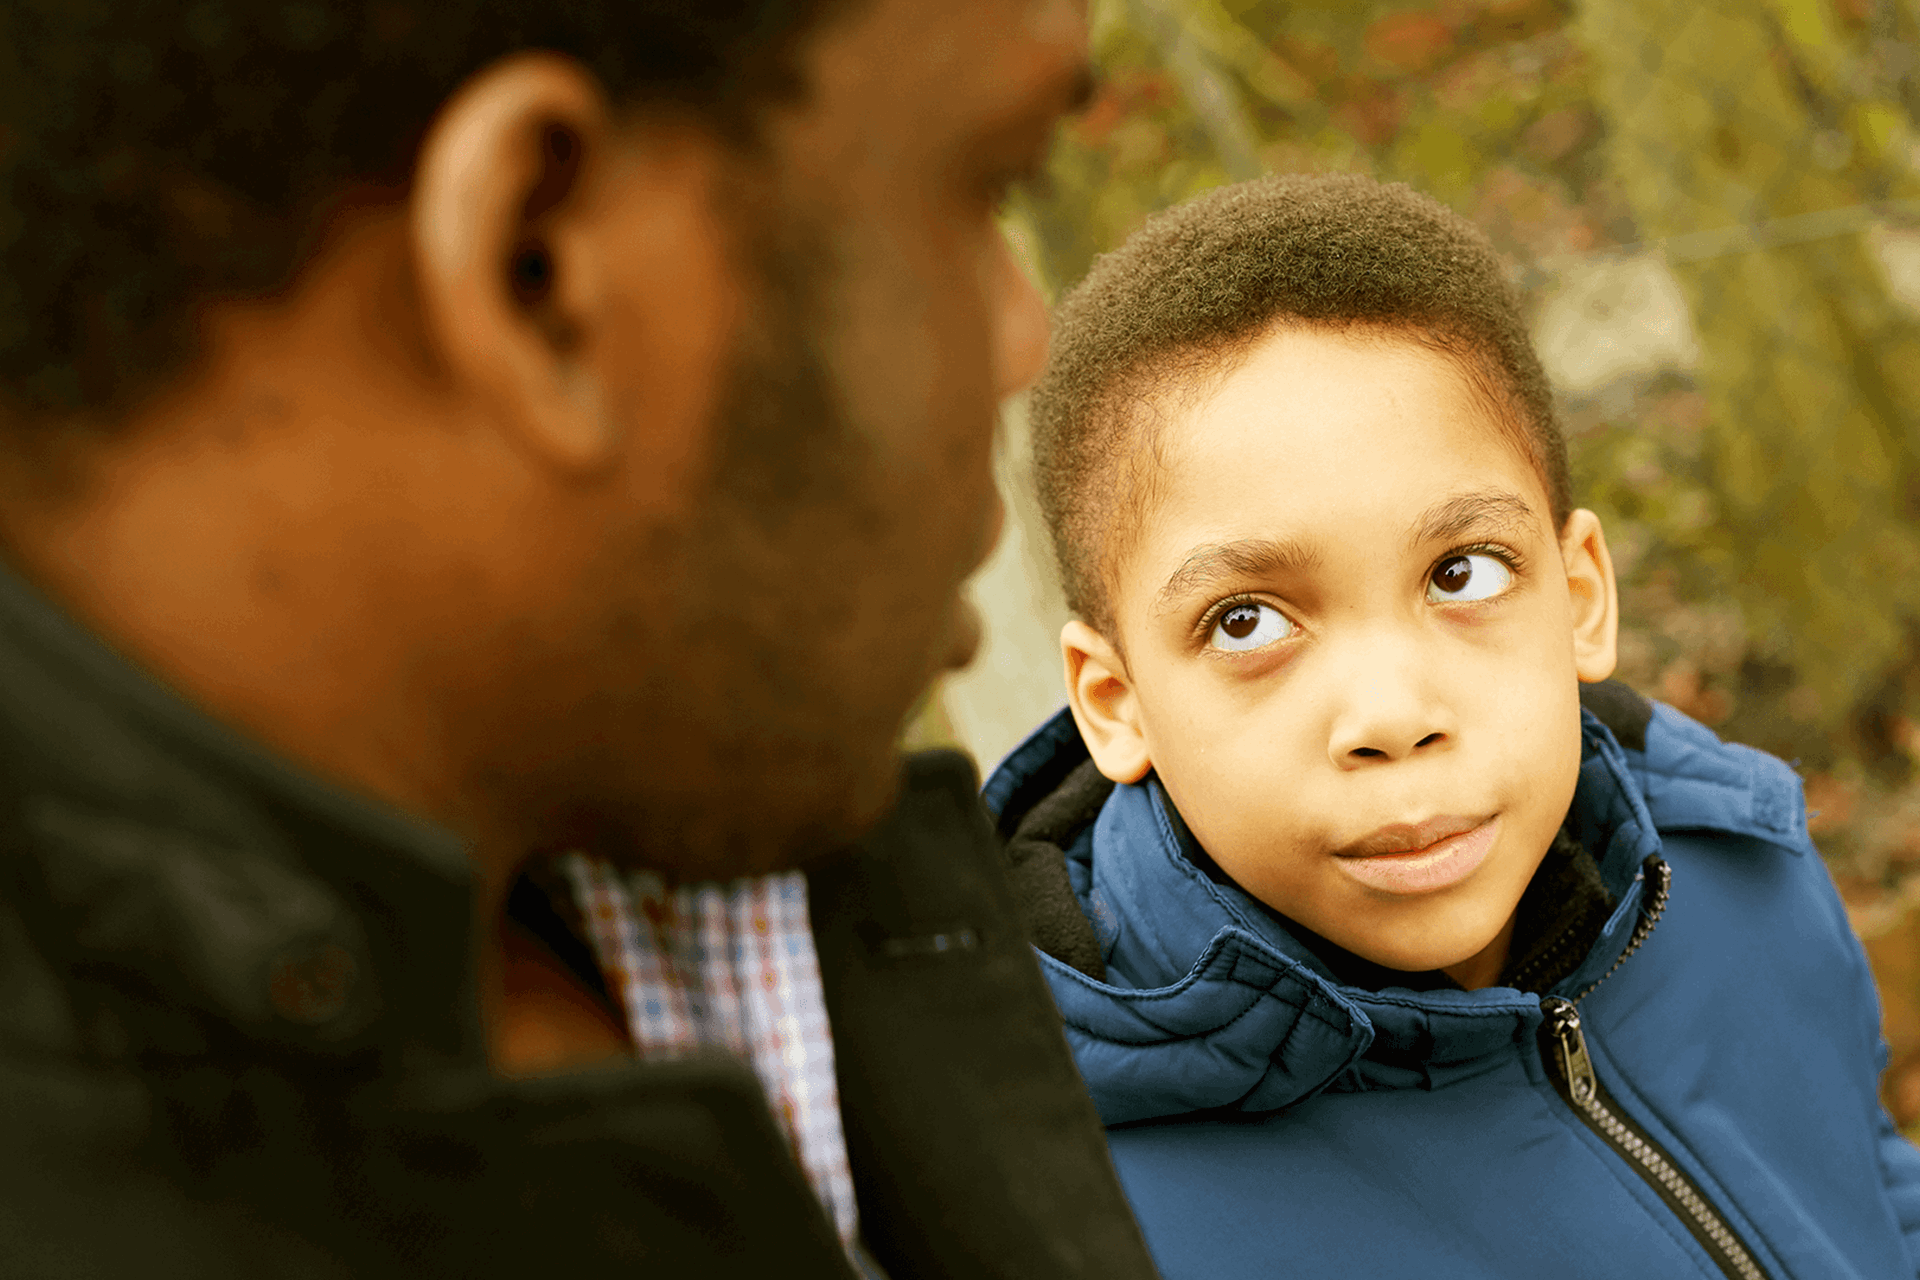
column 613, row 488
column 1353, row 640
column 852, row 493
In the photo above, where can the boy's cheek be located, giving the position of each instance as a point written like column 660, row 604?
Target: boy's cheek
column 1525, row 692
column 1531, row 743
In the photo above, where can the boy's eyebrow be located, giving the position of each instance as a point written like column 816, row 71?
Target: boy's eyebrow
column 1246, row 557
column 1487, row 509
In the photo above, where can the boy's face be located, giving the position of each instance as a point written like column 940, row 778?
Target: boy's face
column 1353, row 640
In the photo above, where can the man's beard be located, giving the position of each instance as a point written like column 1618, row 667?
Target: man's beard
column 736, row 751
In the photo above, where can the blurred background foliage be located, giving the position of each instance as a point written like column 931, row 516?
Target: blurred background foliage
column 1713, row 208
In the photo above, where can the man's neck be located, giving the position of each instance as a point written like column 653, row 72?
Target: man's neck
column 261, row 571
column 200, row 581
column 539, row 1016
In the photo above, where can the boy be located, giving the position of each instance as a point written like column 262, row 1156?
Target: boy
column 1347, row 891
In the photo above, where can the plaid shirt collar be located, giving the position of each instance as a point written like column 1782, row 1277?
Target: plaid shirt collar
column 733, row 966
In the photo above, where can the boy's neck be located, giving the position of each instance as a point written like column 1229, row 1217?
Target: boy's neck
column 1483, row 969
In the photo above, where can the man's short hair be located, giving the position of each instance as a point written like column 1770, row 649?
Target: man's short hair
column 157, row 155
column 1198, row 284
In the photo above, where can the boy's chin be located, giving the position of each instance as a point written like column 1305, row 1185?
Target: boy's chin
column 1466, row 946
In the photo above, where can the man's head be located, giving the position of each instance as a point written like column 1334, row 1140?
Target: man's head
column 161, row 155
column 572, row 421
column 1346, row 622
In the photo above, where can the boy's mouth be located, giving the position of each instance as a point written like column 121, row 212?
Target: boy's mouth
column 1419, row 857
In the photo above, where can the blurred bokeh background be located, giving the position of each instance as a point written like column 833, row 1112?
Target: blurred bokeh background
column 1714, row 208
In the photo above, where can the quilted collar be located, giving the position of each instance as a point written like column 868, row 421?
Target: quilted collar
column 1210, row 1003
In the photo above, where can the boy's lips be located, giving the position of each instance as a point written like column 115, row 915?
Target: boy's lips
column 1409, row 837
column 1419, row 857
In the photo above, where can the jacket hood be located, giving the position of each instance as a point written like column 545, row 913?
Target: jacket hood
column 1203, row 1000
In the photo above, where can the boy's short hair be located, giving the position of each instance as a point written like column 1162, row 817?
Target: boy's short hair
column 1199, row 284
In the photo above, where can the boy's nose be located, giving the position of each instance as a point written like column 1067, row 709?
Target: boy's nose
column 1387, row 712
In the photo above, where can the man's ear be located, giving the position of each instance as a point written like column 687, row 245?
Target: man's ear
column 571, row 268
column 1103, row 703
column 1593, row 596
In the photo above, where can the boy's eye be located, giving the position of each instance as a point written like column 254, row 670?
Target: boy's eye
column 1469, row 577
column 1249, row 626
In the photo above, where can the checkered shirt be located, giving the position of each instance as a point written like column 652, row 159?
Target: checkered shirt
column 732, row 966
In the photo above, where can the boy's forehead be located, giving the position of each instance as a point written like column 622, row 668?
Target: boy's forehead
column 1317, row 443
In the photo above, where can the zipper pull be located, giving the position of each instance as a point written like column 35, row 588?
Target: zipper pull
column 1567, row 1046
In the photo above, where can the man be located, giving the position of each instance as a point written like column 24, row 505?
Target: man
column 462, row 455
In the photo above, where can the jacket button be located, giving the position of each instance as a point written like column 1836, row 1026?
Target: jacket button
column 312, row 986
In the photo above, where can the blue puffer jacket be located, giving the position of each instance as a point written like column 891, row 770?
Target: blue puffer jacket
column 1268, row 1121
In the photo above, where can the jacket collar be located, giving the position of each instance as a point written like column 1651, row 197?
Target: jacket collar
column 1692, row 781
column 195, row 880
column 1210, row 1003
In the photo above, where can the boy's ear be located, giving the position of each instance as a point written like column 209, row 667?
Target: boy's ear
column 1103, row 704
column 1593, row 596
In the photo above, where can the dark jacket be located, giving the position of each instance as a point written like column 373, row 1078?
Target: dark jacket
column 1684, row 992
column 238, row 1038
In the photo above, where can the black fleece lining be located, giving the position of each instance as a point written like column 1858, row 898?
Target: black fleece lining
column 1622, row 710
column 1036, row 855
column 1560, row 917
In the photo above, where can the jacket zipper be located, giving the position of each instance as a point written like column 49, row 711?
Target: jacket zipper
column 1563, row 1045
